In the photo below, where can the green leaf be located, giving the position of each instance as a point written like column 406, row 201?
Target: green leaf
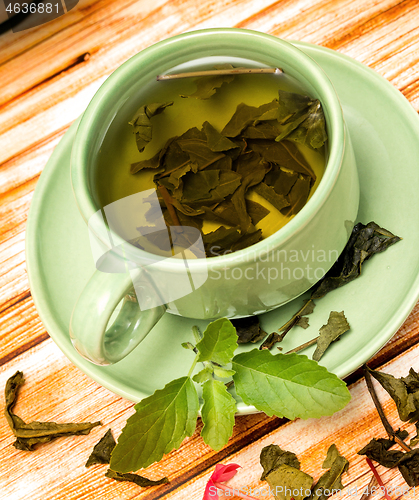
column 288, row 385
column 160, row 423
column 273, row 456
column 365, row 241
column 135, row 478
column 142, row 122
column 286, row 481
column 101, row 453
column 337, row 324
column 33, row 433
column 218, row 343
column 256, row 211
column 217, row 414
column 223, row 372
column 204, row 375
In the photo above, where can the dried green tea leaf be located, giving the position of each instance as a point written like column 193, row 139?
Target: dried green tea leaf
column 199, row 152
column 220, row 241
column 256, row 211
column 102, row 450
column 331, row 481
column 337, row 324
column 250, row 238
column 272, row 339
column 152, row 163
column 407, row 402
column 248, row 329
column 287, row 385
column 365, row 241
column 275, row 199
column 197, row 187
column 33, row 433
column 308, row 308
column 244, row 116
column 298, row 196
column 407, row 463
column 291, row 104
column 223, row 213
column 415, row 440
column 218, row 343
column 142, row 122
column 252, row 169
column 284, row 153
column 379, row 451
column 228, row 182
column 150, row 433
column 281, row 181
column 215, row 140
column 289, row 483
column 312, row 131
column 273, row 456
column 135, row 478
column 217, row 414
column 206, row 86
column 204, row 375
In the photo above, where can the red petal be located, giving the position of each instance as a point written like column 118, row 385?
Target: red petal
column 211, row 491
column 223, row 473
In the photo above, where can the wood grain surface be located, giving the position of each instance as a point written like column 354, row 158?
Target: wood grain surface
column 47, row 77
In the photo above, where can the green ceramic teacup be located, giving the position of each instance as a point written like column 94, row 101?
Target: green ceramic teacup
column 246, row 282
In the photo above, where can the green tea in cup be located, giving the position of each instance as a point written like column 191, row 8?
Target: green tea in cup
column 235, row 156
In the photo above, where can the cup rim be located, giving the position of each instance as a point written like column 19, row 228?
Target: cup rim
column 91, row 119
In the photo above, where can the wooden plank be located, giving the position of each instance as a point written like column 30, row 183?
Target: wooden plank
column 57, row 390
column 350, row 429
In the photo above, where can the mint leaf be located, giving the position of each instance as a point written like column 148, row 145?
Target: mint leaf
column 217, row 414
column 218, row 343
column 204, row 375
column 223, row 372
column 160, row 424
column 288, row 385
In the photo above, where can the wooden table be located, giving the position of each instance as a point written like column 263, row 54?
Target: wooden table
column 48, row 75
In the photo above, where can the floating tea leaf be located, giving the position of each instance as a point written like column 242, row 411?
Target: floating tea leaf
column 33, row 433
column 142, row 122
column 206, row 86
column 211, row 175
column 275, row 199
column 289, row 483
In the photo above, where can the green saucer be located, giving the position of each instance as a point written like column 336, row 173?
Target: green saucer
column 384, row 129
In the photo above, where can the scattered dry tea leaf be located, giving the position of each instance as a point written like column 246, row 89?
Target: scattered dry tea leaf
column 33, row 433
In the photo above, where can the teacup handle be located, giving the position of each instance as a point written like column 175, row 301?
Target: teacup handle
column 95, row 306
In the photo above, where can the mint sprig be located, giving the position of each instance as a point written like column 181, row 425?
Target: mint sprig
column 285, row 385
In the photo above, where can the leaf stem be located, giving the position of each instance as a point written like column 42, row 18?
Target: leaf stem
column 167, row 200
column 234, row 492
column 197, row 334
column 303, row 346
column 387, row 426
column 195, row 361
column 219, row 72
